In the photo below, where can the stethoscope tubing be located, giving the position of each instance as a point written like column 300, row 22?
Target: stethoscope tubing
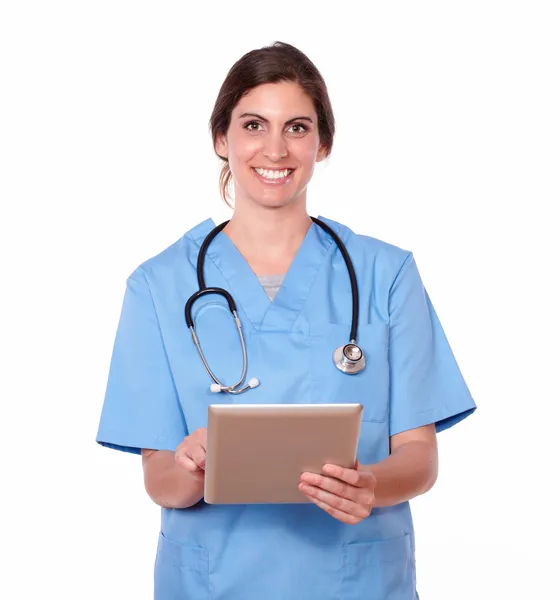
column 203, row 290
column 231, row 303
column 351, row 273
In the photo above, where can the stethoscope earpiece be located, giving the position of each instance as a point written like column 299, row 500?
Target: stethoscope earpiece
column 348, row 358
column 216, row 387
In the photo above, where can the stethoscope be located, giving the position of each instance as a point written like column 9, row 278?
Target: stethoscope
column 349, row 358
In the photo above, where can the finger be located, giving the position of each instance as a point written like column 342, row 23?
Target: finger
column 184, row 460
column 191, row 459
column 338, row 503
column 357, row 477
column 192, row 469
column 194, row 450
column 198, row 455
column 359, row 495
column 335, row 486
column 200, row 435
column 336, row 513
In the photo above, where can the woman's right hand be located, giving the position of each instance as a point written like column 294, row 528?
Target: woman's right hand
column 191, row 453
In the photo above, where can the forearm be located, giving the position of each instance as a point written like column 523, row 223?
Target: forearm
column 168, row 484
column 409, row 471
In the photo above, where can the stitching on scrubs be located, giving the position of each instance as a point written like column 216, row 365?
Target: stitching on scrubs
column 167, row 361
column 407, row 262
column 326, row 242
column 326, row 249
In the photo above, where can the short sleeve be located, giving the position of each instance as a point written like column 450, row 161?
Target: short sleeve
column 426, row 385
column 141, row 407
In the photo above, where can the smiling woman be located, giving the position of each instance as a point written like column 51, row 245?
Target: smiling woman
column 352, row 535
column 273, row 113
column 271, row 147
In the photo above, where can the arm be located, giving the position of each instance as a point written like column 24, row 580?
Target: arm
column 410, row 470
column 168, row 483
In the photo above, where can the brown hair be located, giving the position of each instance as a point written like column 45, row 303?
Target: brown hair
column 270, row 64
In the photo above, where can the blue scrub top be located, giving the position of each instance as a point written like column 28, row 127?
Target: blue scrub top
column 158, row 391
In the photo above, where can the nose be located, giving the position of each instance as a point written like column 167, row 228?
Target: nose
column 275, row 147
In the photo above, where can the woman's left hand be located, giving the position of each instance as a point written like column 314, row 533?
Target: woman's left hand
column 346, row 494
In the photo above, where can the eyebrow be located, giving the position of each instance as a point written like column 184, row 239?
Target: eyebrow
column 255, row 115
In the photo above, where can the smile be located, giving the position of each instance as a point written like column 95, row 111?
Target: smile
column 271, row 176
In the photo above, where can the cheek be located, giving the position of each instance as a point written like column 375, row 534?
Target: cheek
column 242, row 146
column 307, row 154
column 240, row 154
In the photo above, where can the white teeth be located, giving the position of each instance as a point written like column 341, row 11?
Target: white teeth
column 273, row 174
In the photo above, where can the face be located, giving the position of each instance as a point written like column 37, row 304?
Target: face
column 273, row 128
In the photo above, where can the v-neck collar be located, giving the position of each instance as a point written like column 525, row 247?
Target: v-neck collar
column 250, row 296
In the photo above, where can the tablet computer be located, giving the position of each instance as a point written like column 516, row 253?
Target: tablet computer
column 256, row 453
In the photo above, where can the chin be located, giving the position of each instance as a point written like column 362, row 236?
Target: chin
column 271, row 202
column 276, row 200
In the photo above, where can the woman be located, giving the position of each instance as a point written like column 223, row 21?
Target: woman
column 271, row 123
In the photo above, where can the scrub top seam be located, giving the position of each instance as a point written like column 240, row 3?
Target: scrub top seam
column 330, row 241
column 167, row 361
column 328, row 244
column 297, row 313
column 407, row 261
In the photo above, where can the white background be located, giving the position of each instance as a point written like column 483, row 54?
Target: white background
column 447, row 144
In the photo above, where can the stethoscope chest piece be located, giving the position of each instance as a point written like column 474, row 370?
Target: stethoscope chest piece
column 349, row 359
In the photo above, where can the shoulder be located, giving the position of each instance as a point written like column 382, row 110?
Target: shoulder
column 371, row 253
column 176, row 259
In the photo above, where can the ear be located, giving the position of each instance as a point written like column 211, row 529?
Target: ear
column 321, row 153
column 221, row 145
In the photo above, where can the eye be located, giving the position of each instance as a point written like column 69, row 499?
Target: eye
column 249, row 126
column 300, row 128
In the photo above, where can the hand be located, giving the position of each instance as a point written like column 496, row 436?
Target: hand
column 346, row 494
column 191, row 453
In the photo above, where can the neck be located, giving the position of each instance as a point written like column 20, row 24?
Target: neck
column 268, row 230
column 268, row 238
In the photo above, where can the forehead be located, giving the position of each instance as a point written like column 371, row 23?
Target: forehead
column 276, row 99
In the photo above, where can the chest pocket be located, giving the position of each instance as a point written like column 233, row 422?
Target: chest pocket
column 370, row 387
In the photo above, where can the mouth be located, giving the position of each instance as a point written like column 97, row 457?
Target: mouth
column 273, row 176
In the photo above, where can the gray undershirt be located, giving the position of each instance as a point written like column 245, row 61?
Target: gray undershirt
column 271, row 284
